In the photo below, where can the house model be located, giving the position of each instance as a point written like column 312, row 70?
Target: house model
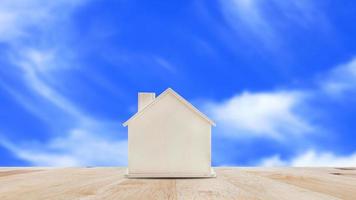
column 168, row 137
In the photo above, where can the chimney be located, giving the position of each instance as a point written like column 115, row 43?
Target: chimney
column 145, row 98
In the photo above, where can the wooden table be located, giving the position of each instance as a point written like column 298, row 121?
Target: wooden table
column 230, row 183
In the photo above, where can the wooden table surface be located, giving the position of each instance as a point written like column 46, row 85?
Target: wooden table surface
column 230, row 183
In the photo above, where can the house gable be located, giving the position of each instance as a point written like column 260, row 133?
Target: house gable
column 178, row 97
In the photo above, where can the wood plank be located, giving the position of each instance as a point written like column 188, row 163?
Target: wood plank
column 231, row 183
column 265, row 188
column 209, row 188
column 142, row 189
column 68, row 183
column 332, row 181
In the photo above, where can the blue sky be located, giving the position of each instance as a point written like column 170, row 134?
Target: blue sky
column 278, row 77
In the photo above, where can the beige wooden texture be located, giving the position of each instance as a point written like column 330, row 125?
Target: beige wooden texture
column 144, row 99
column 169, row 139
column 230, row 183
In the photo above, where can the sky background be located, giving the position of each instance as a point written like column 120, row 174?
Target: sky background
column 278, row 77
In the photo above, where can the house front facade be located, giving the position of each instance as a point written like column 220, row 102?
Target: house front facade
column 168, row 137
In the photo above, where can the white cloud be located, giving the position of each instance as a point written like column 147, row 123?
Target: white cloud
column 16, row 16
column 278, row 114
column 88, row 140
column 247, row 14
column 35, row 65
column 340, row 80
column 282, row 115
column 267, row 20
column 312, row 158
column 273, row 161
column 78, row 148
column 273, row 114
column 36, row 62
column 86, row 143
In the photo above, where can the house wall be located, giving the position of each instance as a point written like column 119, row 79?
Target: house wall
column 169, row 138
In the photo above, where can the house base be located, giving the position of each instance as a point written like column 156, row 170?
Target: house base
column 171, row 174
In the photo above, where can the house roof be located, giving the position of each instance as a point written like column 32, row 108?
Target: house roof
column 180, row 98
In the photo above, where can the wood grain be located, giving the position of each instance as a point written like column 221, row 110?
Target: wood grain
column 230, row 183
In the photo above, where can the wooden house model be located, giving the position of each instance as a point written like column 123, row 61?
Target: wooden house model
column 168, row 137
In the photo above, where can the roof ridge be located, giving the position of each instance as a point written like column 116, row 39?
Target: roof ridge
column 180, row 98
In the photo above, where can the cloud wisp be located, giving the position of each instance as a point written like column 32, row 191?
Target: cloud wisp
column 269, row 114
column 248, row 14
column 89, row 141
column 266, row 21
column 284, row 115
column 76, row 148
column 311, row 158
column 85, row 140
column 278, row 114
column 17, row 16
column 340, row 80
